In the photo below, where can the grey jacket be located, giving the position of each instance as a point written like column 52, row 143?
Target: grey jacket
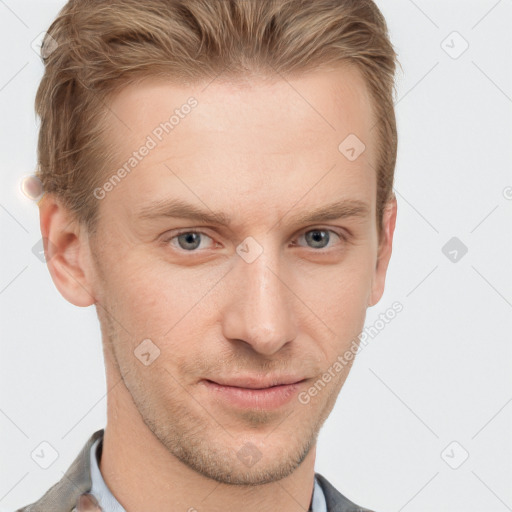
column 63, row 496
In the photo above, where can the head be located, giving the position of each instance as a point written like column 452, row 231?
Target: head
column 218, row 181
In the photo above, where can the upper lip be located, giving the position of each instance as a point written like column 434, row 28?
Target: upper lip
column 257, row 382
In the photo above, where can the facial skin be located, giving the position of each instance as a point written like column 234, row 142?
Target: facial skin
column 262, row 154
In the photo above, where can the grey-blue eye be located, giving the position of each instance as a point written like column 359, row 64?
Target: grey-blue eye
column 318, row 238
column 190, row 240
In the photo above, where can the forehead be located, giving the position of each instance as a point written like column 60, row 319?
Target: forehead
column 334, row 100
column 251, row 137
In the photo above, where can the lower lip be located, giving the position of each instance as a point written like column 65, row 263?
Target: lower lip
column 267, row 398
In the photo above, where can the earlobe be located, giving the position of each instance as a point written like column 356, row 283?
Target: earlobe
column 384, row 251
column 65, row 246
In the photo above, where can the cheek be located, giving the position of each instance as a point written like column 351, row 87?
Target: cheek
column 160, row 301
column 338, row 296
column 341, row 290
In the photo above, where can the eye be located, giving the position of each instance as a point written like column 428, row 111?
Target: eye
column 188, row 240
column 320, row 238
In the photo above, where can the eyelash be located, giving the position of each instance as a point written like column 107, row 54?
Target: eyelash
column 344, row 238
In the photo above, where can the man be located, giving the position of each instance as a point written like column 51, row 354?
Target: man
column 217, row 181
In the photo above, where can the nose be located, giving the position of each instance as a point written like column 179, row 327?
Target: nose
column 259, row 310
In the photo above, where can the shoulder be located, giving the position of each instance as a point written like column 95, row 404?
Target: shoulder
column 335, row 501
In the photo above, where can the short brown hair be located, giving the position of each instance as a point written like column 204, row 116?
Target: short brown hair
column 95, row 48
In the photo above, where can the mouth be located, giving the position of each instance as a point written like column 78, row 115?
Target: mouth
column 254, row 393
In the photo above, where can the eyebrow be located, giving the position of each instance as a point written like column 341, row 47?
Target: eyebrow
column 178, row 208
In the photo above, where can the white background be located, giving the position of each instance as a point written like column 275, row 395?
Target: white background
column 439, row 372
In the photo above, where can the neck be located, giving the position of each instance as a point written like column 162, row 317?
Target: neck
column 143, row 475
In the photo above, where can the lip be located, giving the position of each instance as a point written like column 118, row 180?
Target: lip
column 255, row 393
column 257, row 382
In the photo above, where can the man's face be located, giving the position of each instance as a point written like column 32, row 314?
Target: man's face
column 266, row 294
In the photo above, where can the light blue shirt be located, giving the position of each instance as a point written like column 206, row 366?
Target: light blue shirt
column 108, row 503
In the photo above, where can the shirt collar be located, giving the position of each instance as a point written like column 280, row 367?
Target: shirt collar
column 108, row 503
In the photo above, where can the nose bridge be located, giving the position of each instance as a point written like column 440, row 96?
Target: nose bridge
column 260, row 312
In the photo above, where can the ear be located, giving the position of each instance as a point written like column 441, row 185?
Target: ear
column 384, row 251
column 66, row 249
